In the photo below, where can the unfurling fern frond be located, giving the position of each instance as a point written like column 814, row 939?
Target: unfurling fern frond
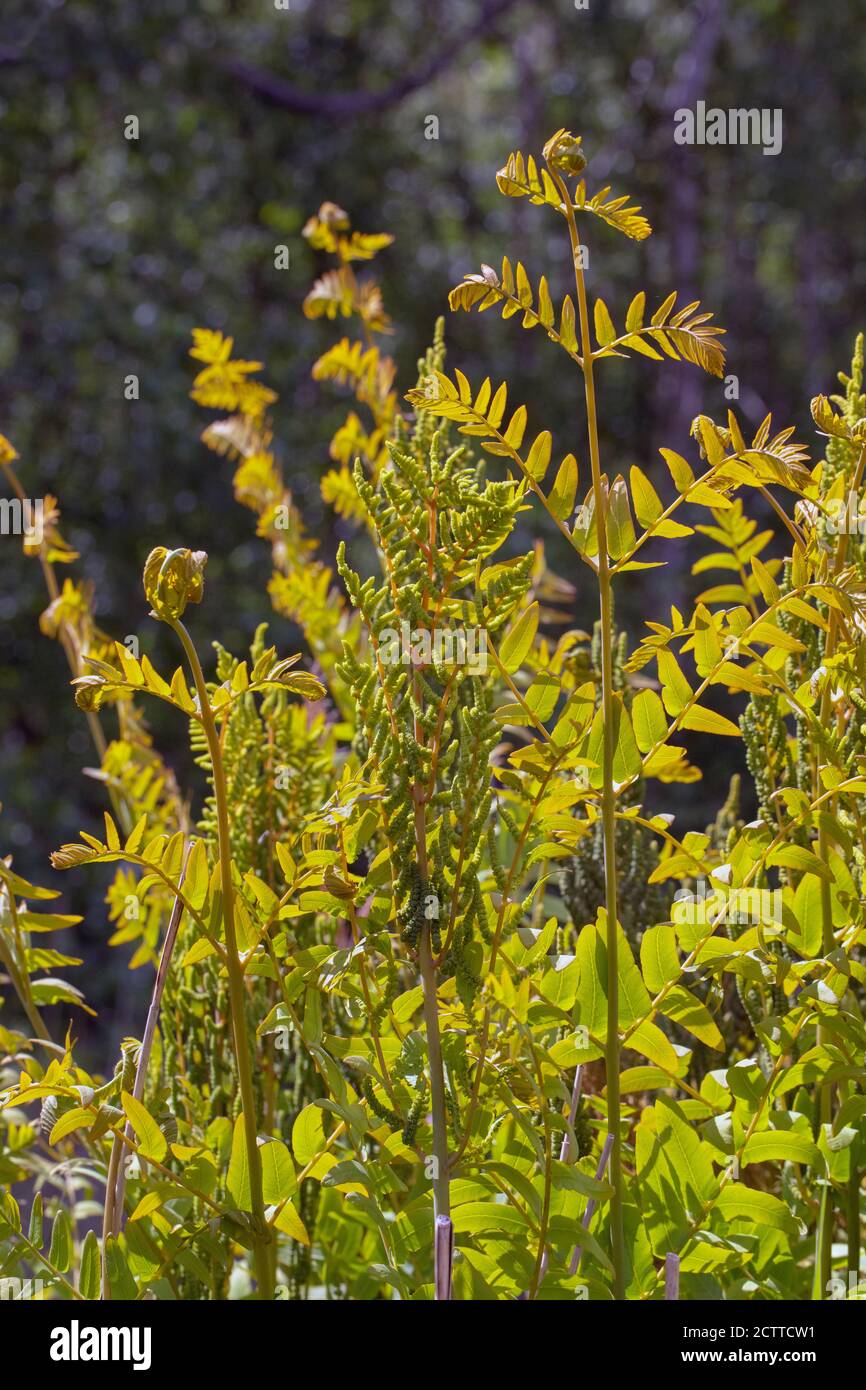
column 520, row 178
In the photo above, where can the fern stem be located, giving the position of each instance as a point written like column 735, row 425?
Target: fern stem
column 608, row 800
column 441, row 1183
column 443, row 1231
column 824, row 1228
column 265, row 1272
column 114, row 1163
column 438, row 1112
column 853, row 1223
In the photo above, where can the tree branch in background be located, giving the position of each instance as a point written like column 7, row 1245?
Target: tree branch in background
column 348, row 105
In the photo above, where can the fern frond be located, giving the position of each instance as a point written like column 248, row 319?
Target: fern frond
column 338, row 293
column 332, row 294
column 769, row 458
column 258, row 482
column 210, row 345
column 740, row 542
column 362, row 246
column 225, row 383
column 237, row 437
column 682, row 335
column 348, row 364
column 514, row 292
column 329, row 230
column 520, row 178
column 837, row 426
column 616, row 212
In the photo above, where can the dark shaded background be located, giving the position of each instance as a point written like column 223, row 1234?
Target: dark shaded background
column 250, row 116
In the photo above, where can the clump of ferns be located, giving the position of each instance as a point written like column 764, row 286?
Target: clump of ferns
column 425, row 723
